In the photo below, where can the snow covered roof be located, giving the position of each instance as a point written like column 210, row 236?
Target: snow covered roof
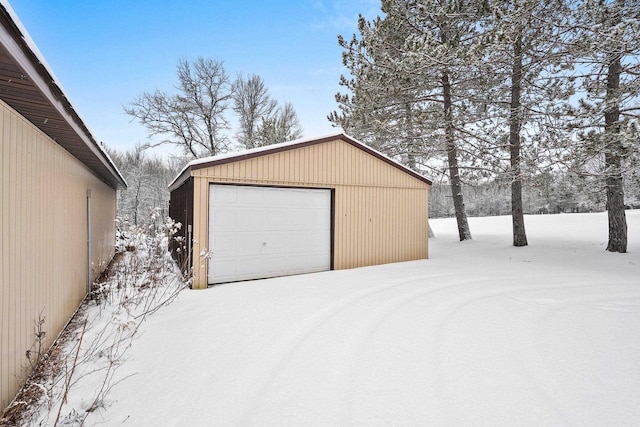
column 29, row 86
column 268, row 149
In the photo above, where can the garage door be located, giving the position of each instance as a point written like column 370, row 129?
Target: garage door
column 259, row 232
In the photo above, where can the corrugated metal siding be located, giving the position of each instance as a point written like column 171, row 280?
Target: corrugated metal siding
column 43, row 249
column 181, row 210
column 380, row 211
column 335, row 162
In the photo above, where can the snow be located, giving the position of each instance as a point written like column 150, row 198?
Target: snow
column 480, row 334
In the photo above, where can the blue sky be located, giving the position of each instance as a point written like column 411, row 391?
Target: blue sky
column 106, row 53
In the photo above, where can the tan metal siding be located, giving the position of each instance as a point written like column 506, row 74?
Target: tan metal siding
column 43, row 254
column 380, row 211
column 331, row 163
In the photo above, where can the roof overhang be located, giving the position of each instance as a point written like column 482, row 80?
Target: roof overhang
column 206, row 162
column 29, row 87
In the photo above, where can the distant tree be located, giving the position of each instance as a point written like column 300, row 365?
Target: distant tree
column 194, row 118
column 253, row 105
column 147, row 178
column 280, row 126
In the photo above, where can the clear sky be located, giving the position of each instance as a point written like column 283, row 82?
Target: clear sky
column 106, row 53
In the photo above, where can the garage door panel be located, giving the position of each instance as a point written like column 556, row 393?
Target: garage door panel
column 224, row 243
column 248, row 217
column 257, row 232
column 250, row 243
column 224, row 195
column 226, row 218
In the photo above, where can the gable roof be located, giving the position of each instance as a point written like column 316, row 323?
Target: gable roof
column 29, row 86
column 284, row 146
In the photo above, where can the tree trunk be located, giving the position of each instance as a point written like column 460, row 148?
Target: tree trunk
column 612, row 159
column 515, row 123
column 452, row 157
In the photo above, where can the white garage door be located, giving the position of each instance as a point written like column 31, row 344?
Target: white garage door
column 259, row 232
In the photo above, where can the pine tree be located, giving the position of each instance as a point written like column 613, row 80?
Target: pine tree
column 414, row 79
column 527, row 50
column 607, row 44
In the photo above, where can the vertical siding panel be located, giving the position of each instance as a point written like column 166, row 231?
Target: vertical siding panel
column 26, row 196
column 305, row 171
column 319, row 176
column 2, row 265
column 18, row 244
column 285, row 166
column 327, row 160
column 370, row 191
column 338, row 231
column 298, row 162
column 385, row 226
column 426, row 219
column 276, row 167
column 200, row 218
column 262, row 168
column 368, row 221
column 31, row 247
column 361, row 227
column 204, row 222
column 39, row 270
column 350, row 212
column 390, row 230
column 355, row 207
column 293, row 159
column 346, row 221
column 326, row 165
column 340, row 163
column 13, row 263
column 4, row 260
column 310, row 177
column 379, row 226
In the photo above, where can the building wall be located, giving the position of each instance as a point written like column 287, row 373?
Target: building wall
column 380, row 211
column 43, row 254
column 181, row 210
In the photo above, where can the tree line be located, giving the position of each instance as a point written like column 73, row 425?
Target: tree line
column 500, row 90
column 196, row 117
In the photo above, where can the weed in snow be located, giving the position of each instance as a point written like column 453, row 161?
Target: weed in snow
column 75, row 376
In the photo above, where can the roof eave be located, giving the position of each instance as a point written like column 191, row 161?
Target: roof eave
column 203, row 163
column 15, row 43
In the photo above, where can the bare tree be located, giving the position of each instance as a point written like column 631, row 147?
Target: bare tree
column 252, row 104
column 194, row 118
column 281, row 126
column 148, row 178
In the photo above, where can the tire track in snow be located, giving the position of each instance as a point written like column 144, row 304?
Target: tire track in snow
column 369, row 329
column 285, row 349
column 456, row 307
column 620, row 301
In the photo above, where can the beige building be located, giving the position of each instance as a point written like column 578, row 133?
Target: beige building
column 57, row 203
column 303, row 206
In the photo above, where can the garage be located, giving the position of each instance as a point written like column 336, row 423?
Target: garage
column 303, row 206
column 259, row 232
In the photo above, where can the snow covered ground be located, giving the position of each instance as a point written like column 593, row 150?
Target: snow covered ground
column 480, row 334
